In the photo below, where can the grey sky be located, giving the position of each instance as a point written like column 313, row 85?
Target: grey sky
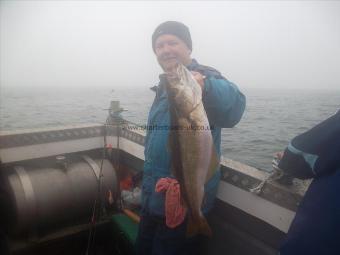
column 255, row 44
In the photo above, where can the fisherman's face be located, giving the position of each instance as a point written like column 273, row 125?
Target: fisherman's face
column 171, row 50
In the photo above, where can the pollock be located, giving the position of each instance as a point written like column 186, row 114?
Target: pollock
column 193, row 155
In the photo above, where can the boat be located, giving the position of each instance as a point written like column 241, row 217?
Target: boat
column 61, row 194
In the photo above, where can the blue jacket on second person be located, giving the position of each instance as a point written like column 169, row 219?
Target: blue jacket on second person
column 315, row 154
column 224, row 105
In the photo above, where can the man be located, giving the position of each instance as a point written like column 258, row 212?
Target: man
column 315, row 229
column 224, row 105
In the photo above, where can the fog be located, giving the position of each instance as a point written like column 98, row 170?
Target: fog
column 255, row 44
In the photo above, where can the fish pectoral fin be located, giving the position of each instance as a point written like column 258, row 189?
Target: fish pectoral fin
column 200, row 226
column 214, row 162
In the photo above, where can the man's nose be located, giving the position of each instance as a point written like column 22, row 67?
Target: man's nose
column 166, row 48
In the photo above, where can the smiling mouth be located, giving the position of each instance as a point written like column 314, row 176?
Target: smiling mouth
column 171, row 60
column 168, row 58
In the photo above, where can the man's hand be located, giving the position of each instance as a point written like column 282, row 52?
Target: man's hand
column 276, row 160
column 199, row 78
column 279, row 154
column 280, row 175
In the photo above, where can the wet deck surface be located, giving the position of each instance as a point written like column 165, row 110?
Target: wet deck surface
column 106, row 242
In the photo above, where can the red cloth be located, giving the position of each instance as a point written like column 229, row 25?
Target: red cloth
column 174, row 209
column 126, row 183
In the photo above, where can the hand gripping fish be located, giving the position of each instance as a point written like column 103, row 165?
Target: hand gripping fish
column 193, row 155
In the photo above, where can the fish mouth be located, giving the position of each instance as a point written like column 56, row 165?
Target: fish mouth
column 169, row 63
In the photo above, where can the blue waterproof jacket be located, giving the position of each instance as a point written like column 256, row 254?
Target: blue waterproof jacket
column 224, row 105
column 315, row 154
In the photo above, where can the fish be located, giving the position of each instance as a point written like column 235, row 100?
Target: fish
column 193, row 154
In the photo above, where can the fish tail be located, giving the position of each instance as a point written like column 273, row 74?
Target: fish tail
column 199, row 226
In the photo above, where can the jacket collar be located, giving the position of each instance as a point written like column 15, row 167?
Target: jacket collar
column 193, row 65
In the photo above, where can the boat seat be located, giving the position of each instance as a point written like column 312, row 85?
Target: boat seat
column 125, row 232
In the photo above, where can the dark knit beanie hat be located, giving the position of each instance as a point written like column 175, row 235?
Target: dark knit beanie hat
column 174, row 28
